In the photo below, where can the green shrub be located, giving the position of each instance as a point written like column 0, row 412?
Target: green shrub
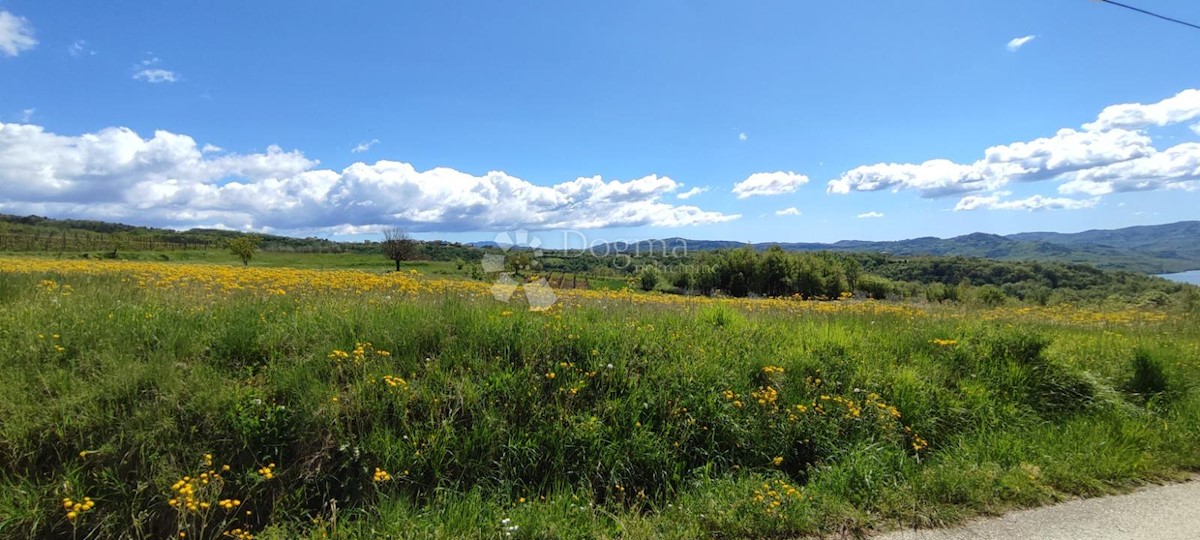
column 1148, row 378
column 648, row 278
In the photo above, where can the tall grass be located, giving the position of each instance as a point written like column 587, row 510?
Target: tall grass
column 610, row 418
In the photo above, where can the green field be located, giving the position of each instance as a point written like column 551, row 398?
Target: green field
column 353, row 404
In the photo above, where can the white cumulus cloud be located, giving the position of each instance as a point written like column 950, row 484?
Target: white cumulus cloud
column 692, row 192
column 16, row 34
column 790, row 211
column 27, row 115
column 769, row 183
column 169, row 180
column 1112, row 154
column 870, row 215
column 1182, row 107
column 742, row 136
column 933, row 178
column 1039, row 159
column 1177, row 167
column 1015, row 44
column 1032, row 203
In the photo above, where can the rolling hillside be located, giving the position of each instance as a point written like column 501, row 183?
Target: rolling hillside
column 1154, row 249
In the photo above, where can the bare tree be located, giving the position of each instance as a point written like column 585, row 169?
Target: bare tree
column 398, row 246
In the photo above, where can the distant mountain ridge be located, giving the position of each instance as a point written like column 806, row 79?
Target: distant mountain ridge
column 1154, row 249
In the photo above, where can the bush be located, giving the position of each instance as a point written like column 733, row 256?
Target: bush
column 1148, row 379
column 990, row 295
column 648, row 278
column 875, row 286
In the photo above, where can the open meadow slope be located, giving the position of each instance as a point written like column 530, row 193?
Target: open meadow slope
column 155, row 400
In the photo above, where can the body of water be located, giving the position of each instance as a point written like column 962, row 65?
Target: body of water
column 1191, row 276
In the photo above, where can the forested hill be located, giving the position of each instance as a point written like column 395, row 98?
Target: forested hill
column 1153, row 249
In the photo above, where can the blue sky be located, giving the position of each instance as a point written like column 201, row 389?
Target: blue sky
column 474, row 118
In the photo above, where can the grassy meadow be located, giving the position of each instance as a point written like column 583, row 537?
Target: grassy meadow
column 206, row 401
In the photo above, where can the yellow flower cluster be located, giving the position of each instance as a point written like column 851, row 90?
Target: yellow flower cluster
column 772, row 370
column 229, row 504
column 732, row 398
column 394, row 381
column 186, row 491
column 361, row 353
column 1067, row 314
column 52, row 287
column 776, row 493
column 381, row 475
column 74, row 509
column 944, row 342
column 211, row 282
column 239, row 534
column 765, row 396
column 267, row 472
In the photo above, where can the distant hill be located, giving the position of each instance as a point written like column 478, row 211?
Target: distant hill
column 1153, row 249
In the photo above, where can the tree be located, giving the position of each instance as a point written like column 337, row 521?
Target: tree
column 649, row 278
column 244, row 247
column 398, row 246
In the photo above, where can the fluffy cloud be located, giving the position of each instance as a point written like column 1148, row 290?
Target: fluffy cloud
column 1068, row 150
column 168, row 180
column 1033, row 203
column 1183, row 107
column 1016, row 43
column 742, row 136
column 791, row 211
column 1039, row 159
column 692, row 192
column 16, row 34
column 1109, row 155
column 1177, row 167
column 933, row 178
column 769, row 183
column 870, row 215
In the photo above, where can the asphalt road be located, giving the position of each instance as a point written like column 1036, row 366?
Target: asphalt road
column 1170, row 512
